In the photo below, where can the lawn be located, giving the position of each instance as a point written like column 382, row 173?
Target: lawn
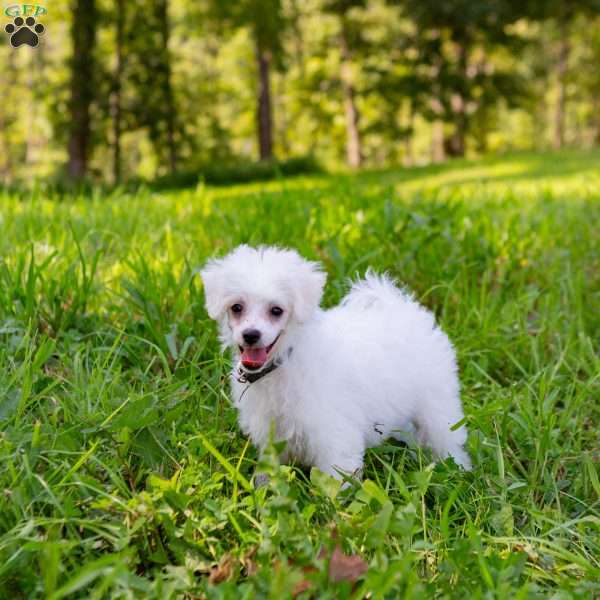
column 123, row 473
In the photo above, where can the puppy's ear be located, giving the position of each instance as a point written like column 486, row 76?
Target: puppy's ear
column 308, row 289
column 213, row 278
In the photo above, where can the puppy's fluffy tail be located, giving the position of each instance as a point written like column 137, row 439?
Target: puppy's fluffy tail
column 375, row 290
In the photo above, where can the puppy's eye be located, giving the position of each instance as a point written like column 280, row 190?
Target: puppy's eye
column 237, row 309
column 276, row 311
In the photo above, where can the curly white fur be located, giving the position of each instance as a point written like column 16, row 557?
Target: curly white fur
column 374, row 367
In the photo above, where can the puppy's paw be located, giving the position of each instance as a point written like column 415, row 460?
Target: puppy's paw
column 260, row 480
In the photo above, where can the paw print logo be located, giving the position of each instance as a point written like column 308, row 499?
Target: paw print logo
column 24, row 31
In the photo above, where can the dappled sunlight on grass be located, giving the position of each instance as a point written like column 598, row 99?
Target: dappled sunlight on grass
column 574, row 172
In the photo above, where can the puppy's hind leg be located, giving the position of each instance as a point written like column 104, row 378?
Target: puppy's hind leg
column 339, row 464
column 434, row 430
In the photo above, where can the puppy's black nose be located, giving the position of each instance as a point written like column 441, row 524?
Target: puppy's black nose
column 251, row 336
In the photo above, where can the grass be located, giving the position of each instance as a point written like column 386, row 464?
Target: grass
column 123, row 473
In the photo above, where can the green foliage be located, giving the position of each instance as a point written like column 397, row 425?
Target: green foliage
column 264, row 18
column 124, row 473
column 460, row 67
column 146, row 73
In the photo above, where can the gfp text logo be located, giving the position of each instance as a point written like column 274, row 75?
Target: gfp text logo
column 25, row 10
column 24, row 28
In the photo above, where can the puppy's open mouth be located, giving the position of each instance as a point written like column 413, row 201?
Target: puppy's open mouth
column 254, row 358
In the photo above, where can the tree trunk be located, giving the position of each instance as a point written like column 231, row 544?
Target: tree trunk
column 264, row 110
column 285, row 128
column 353, row 143
column 298, row 39
column 562, row 72
column 455, row 144
column 438, row 154
column 409, row 158
column 116, row 95
column 37, row 84
column 9, row 81
column 162, row 12
column 595, row 122
column 83, row 35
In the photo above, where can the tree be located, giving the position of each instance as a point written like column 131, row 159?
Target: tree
column 164, row 79
column 456, row 41
column 147, row 71
column 265, row 20
column 349, row 38
column 116, row 108
column 83, row 36
column 563, row 15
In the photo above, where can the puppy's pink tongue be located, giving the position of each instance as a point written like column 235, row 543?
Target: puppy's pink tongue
column 254, row 357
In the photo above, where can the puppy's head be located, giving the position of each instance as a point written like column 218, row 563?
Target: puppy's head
column 258, row 295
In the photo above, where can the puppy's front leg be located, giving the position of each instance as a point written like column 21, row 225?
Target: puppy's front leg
column 262, row 479
column 341, row 464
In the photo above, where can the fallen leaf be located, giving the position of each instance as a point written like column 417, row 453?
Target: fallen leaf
column 301, row 587
column 248, row 563
column 343, row 567
column 222, row 571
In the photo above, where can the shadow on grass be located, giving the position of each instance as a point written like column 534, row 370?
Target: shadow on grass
column 508, row 167
column 305, row 174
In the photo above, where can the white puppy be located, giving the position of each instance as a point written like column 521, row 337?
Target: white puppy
column 333, row 382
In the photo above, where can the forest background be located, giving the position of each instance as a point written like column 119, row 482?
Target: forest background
column 119, row 90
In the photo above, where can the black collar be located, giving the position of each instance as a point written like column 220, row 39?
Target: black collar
column 251, row 377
